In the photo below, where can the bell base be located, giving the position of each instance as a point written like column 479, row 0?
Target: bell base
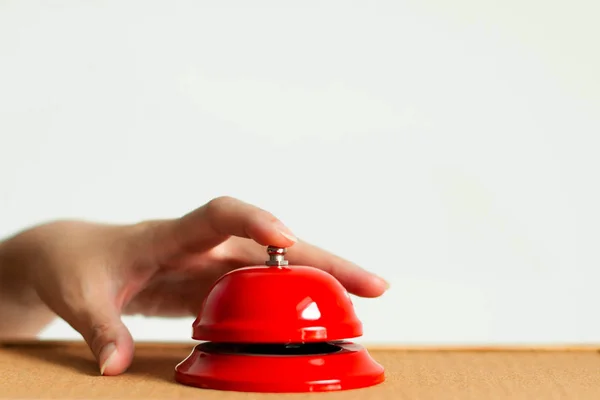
column 279, row 368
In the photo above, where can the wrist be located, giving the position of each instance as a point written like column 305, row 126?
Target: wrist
column 22, row 312
column 14, row 285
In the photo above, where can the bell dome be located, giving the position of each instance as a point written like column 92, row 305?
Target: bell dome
column 277, row 304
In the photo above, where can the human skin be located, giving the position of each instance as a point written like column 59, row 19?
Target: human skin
column 91, row 274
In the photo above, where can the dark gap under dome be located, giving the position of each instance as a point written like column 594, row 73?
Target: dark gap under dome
column 271, row 349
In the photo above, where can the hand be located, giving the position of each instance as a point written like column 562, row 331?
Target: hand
column 91, row 274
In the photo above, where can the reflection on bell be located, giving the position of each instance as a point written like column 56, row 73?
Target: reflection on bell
column 278, row 328
column 311, row 312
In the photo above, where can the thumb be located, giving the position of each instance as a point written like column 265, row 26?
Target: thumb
column 108, row 338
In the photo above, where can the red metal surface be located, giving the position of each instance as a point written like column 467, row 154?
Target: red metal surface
column 349, row 368
column 278, row 329
column 277, row 305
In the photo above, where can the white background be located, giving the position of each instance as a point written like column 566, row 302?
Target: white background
column 451, row 147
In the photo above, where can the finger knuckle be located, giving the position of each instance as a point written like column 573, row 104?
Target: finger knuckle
column 218, row 203
column 100, row 333
column 267, row 216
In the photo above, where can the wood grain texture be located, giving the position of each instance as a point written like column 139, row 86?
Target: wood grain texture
column 53, row 370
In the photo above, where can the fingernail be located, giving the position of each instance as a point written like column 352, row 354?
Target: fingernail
column 286, row 232
column 289, row 236
column 385, row 283
column 106, row 355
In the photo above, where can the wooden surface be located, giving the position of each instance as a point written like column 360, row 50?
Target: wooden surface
column 67, row 371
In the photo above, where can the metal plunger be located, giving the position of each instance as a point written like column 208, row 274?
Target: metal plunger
column 276, row 256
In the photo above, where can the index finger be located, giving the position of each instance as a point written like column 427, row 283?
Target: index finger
column 218, row 220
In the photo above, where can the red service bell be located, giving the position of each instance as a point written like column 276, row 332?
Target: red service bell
column 278, row 328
